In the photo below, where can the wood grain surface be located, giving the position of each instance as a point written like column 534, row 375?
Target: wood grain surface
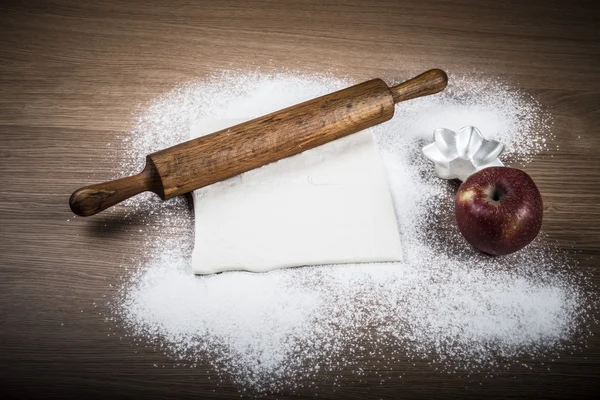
column 73, row 73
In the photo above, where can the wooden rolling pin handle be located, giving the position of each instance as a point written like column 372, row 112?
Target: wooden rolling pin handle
column 92, row 199
column 429, row 82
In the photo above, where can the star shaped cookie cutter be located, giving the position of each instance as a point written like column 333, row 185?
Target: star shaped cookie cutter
column 457, row 155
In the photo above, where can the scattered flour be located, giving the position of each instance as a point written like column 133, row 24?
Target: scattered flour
column 446, row 304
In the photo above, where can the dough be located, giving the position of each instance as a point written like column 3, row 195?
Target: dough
column 328, row 205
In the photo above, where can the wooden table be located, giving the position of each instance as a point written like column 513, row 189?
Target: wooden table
column 73, row 72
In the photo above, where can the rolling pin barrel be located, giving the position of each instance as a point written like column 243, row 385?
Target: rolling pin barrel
column 249, row 145
column 232, row 151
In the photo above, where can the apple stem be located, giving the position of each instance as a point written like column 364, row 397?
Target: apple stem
column 498, row 193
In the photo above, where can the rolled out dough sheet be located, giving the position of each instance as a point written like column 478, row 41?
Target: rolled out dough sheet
column 328, row 205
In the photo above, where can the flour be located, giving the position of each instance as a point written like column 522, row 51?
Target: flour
column 446, row 303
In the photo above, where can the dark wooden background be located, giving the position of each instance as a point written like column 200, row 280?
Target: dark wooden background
column 72, row 73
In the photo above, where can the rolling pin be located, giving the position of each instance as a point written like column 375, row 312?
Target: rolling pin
column 229, row 152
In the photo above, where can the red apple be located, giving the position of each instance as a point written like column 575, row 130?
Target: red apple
column 499, row 210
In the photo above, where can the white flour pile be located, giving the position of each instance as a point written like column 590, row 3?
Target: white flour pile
column 446, row 304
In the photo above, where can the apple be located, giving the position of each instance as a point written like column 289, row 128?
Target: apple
column 499, row 210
